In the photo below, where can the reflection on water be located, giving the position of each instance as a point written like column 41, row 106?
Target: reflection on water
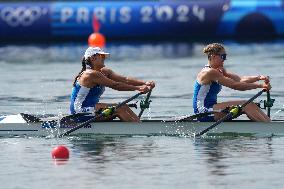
column 145, row 162
column 100, row 149
column 231, row 157
column 175, row 161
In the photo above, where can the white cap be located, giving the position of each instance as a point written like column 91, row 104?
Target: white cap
column 94, row 50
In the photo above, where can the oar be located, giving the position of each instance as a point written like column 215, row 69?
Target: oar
column 233, row 112
column 106, row 112
column 30, row 118
column 70, row 118
column 192, row 117
column 145, row 104
column 197, row 115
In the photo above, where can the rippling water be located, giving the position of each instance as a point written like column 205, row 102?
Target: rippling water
column 37, row 79
column 150, row 162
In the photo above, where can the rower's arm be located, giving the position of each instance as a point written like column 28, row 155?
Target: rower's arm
column 231, row 75
column 215, row 75
column 252, row 79
column 246, row 79
column 120, row 78
column 99, row 78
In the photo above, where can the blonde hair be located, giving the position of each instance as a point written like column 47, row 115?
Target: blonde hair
column 213, row 48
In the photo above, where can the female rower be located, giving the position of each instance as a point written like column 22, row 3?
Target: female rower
column 90, row 84
column 213, row 76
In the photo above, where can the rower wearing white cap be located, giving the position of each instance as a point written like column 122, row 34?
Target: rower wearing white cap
column 90, row 84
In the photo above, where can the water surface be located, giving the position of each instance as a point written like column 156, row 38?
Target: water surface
column 37, row 79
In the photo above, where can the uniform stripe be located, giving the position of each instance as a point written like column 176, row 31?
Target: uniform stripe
column 205, row 96
column 81, row 96
column 202, row 93
column 84, row 99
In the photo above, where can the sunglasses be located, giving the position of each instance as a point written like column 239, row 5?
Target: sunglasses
column 100, row 55
column 223, row 56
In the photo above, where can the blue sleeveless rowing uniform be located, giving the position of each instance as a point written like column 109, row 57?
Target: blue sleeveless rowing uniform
column 204, row 97
column 84, row 99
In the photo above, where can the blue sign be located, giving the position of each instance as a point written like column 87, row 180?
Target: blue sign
column 24, row 20
column 141, row 19
column 138, row 19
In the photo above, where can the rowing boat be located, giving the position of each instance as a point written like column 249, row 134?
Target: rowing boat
column 30, row 125
column 15, row 125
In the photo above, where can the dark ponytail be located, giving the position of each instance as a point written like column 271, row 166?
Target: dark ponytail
column 84, row 62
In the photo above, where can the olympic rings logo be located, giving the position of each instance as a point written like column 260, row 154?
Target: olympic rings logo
column 20, row 16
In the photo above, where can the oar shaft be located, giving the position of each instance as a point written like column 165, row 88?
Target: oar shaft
column 199, row 115
column 71, row 117
column 99, row 116
column 253, row 98
column 128, row 100
column 229, row 115
column 80, row 126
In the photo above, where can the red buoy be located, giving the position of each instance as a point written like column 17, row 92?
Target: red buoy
column 96, row 40
column 60, row 152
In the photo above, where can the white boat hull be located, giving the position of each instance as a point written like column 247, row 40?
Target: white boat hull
column 146, row 128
